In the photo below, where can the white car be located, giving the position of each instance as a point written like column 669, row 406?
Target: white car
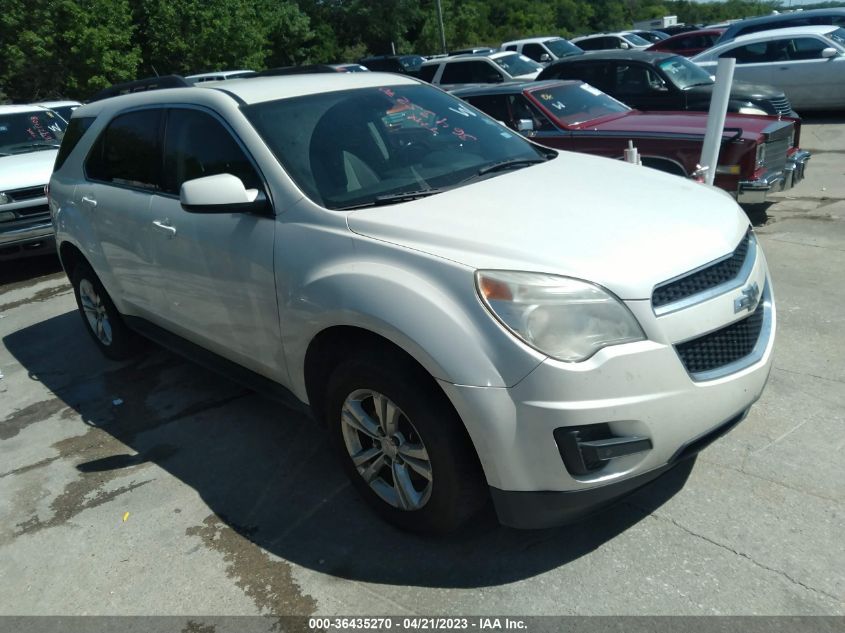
column 29, row 141
column 63, row 108
column 610, row 41
column 500, row 67
column 469, row 314
column 806, row 62
column 543, row 50
column 220, row 75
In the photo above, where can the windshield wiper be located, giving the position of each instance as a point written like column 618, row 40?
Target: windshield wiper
column 393, row 198
column 507, row 165
column 34, row 146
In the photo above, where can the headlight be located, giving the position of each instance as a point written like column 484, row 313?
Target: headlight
column 4, row 199
column 565, row 318
column 751, row 110
column 761, row 154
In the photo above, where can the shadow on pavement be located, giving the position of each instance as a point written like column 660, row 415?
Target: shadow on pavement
column 28, row 268
column 267, row 472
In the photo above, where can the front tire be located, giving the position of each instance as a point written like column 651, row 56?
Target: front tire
column 101, row 318
column 402, row 445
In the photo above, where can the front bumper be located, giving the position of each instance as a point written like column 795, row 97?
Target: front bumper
column 639, row 390
column 30, row 239
column 756, row 191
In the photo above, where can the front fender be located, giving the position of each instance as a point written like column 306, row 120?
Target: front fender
column 425, row 305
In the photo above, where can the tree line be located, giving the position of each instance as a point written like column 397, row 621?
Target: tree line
column 72, row 48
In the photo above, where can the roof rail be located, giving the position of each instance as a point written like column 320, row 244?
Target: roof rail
column 142, row 85
column 295, row 70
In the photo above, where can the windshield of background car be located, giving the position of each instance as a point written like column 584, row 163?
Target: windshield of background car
column 350, row 148
column 562, row 48
column 411, row 62
column 30, row 131
column 517, row 64
column 684, row 73
column 635, row 39
column 837, row 36
column 571, row 104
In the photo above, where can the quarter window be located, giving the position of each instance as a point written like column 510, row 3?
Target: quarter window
column 197, row 145
column 427, row 72
column 128, row 152
column 75, row 131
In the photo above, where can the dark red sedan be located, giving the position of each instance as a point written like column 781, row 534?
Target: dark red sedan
column 689, row 43
column 759, row 154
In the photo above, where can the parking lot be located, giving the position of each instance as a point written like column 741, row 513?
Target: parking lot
column 155, row 486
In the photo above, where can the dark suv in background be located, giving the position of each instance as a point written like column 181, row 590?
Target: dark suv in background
column 663, row 81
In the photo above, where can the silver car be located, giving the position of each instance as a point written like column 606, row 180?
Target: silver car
column 471, row 315
column 806, row 62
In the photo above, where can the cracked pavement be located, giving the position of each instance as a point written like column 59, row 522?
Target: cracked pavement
column 156, row 487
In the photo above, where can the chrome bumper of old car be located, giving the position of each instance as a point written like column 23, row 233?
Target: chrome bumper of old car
column 756, row 191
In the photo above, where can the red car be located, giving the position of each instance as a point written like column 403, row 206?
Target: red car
column 689, row 43
column 759, row 154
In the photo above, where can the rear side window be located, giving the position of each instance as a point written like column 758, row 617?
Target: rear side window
column 128, row 152
column 469, row 73
column 75, row 131
column 427, row 72
column 197, row 145
column 534, row 51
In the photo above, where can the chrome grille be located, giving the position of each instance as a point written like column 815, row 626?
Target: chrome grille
column 776, row 154
column 781, row 105
column 29, row 193
column 722, row 347
column 39, row 209
column 711, row 276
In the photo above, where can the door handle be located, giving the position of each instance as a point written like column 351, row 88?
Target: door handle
column 91, row 202
column 166, row 228
column 784, row 68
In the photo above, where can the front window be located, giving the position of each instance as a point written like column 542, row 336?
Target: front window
column 517, row 64
column 684, row 73
column 371, row 146
column 562, row 48
column 634, row 39
column 571, row 104
column 23, row 132
column 838, row 36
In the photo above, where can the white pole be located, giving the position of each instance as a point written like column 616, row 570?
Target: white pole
column 716, row 117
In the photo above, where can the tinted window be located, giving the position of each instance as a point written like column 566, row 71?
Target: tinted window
column 562, row 48
column 74, row 132
column 128, row 151
column 805, row 48
column 510, row 47
column 197, row 145
column 521, row 108
column 494, row 105
column 634, row 79
column 594, row 74
column 427, row 72
column 594, row 44
column 534, row 51
column 469, row 73
column 749, row 54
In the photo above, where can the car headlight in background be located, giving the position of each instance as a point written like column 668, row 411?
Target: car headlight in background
column 751, row 110
column 565, row 318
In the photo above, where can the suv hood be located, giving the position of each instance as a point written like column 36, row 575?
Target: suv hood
column 622, row 226
column 740, row 90
column 26, row 170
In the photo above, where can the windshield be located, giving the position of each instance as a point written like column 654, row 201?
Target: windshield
column 684, row 73
column 359, row 147
column 635, row 39
column 30, row 131
column 562, row 48
column 570, row 104
column 411, row 62
column 837, row 36
column 517, row 64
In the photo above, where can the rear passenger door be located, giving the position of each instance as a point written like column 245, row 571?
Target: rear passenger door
column 216, row 269
column 122, row 173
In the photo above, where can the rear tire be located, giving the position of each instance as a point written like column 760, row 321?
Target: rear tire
column 402, row 445
column 100, row 317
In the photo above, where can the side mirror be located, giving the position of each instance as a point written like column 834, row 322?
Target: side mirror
column 829, row 52
column 525, row 125
column 545, row 57
column 624, row 45
column 223, row 193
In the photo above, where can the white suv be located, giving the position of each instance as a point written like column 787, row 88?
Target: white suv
column 471, row 315
column 500, row 67
column 543, row 50
column 610, row 41
column 29, row 141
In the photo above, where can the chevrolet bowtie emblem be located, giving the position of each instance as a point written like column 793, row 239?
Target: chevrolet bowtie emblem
column 748, row 300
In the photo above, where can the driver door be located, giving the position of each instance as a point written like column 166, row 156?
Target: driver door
column 217, row 276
